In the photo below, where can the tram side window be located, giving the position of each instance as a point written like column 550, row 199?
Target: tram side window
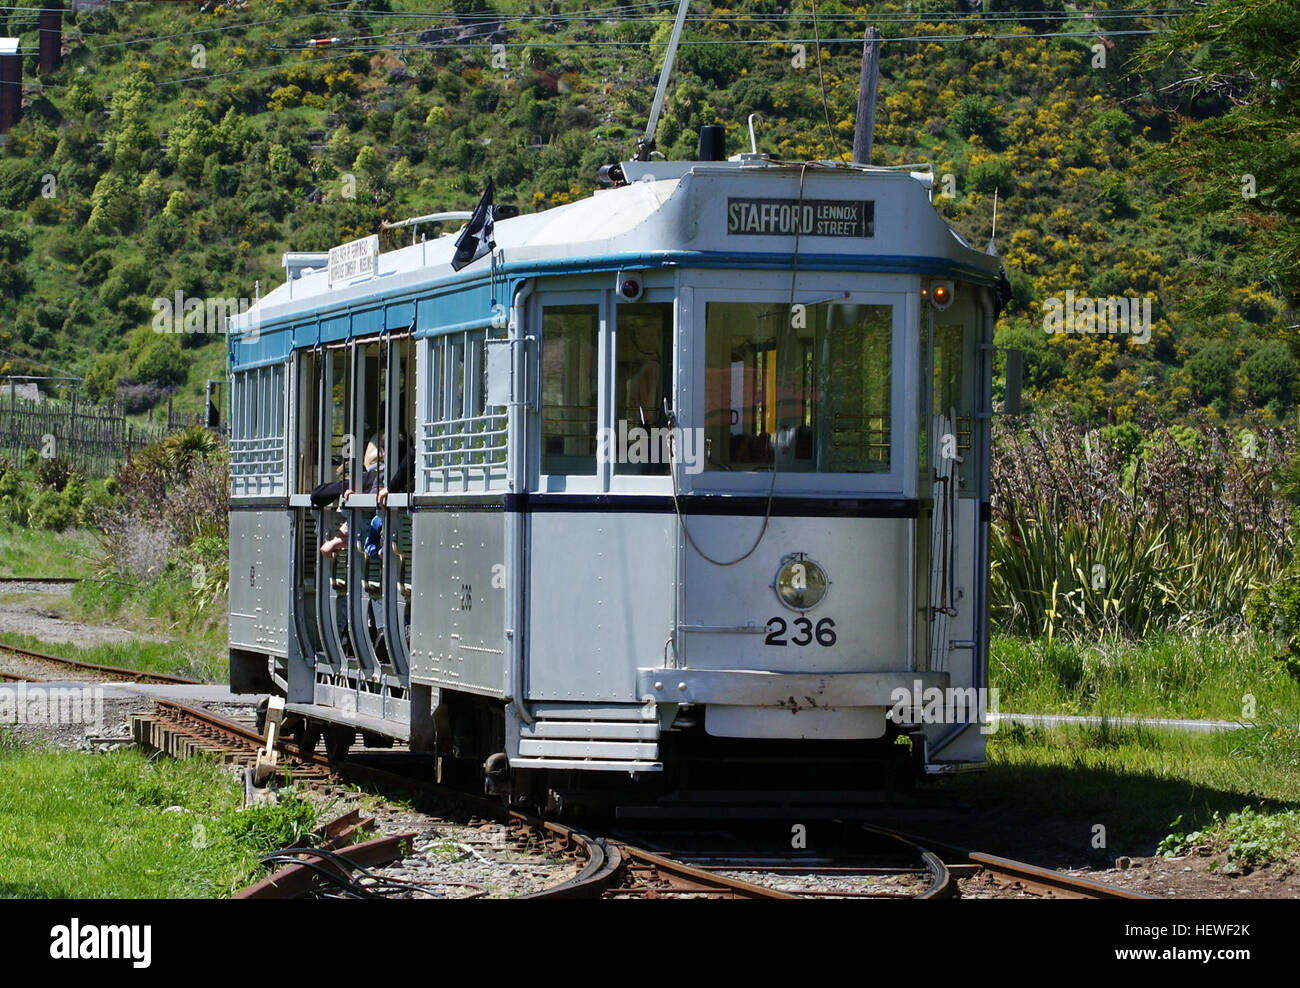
column 570, row 348
column 812, row 387
column 463, row 441
column 257, row 441
column 371, row 413
column 643, row 379
column 854, row 434
column 401, row 442
column 309, row 369
column 342, row 444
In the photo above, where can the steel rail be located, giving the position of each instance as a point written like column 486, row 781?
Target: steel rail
column 941, row 884
column 602, row 862
column 685, row 879
column 618, row 868
column 1033, row 876
column 135, row 675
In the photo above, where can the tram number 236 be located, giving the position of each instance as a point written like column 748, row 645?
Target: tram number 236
column 804, row 632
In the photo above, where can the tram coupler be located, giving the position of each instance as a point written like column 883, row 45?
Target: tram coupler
column 496, row 774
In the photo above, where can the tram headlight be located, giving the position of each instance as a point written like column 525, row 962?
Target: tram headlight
column 628, row 286
column 941, row 294
column 800, row 583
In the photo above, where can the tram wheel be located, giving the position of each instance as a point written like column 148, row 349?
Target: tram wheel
column 338, row 742
column 307, row 737
column 372, row 739
column 260, row 717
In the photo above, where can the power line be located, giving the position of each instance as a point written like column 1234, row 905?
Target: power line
column 625, row 14
column 926, row 38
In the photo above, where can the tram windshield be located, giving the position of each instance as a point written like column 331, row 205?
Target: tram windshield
column 808, row 388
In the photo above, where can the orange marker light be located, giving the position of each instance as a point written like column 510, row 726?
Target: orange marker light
column 942, row 295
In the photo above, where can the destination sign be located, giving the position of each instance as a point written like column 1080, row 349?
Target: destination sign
column 809, row 217
column 354, row 259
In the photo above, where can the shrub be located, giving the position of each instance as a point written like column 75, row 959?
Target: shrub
column 992, row 174
column 1275, row 610
column 1128, row 532
column 14, row 245
column 50, row 510
column 720, row 65
column 160, row 362
column 1211, row 370
column 1113, row 124
column 54, row 473
column 1270, row 375
column 20, row 180
column 973, row 116
column 170, row 507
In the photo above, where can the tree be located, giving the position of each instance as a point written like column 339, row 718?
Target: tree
column 113, row 205
column 129, row 134
column 1270, row 376
column 1211, row 370
column 160, row 362
column 1242, row 164
column 973, row 116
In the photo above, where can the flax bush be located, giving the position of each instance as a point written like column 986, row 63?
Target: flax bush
column 1131, row 530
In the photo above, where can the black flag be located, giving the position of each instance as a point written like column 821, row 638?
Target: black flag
column 476, row 239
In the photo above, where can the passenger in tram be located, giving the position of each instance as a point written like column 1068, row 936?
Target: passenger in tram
column 330, row 547
column 375, row 447
column 400, row 480
column 372, row 543
column 326, row 493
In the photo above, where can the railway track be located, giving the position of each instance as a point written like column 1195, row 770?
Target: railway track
column 109, row 673
column 890, row 864
column 1035, row 880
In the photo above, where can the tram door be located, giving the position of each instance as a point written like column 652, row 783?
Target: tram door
column 331, row 536
column 310, row 471
column 954, row 499
column 366, row 536
column 354, row 562
column 400, row 459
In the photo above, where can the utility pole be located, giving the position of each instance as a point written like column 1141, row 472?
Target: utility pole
column 51, row 39
column 865, row 124
column 11, row 84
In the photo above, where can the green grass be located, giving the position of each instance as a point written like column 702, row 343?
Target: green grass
column 197, row 644
column 37, row 552
column 1194, row 674
column 200, row 659
column 165, row 603
column 74, row 824
column 1136, row 782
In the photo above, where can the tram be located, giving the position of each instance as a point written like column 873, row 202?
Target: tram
column 683, row 485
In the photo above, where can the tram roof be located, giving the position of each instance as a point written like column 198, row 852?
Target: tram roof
column 698, row 214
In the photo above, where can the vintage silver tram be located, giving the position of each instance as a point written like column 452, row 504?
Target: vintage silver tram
column 699, row 488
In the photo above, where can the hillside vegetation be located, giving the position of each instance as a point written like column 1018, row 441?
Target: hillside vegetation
column 182, row 149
